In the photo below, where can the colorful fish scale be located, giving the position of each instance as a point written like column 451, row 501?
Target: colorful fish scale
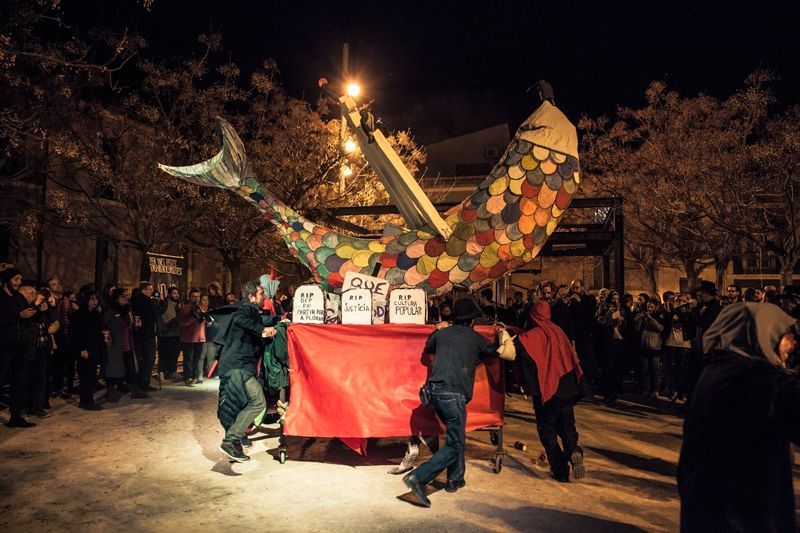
column 499, row 228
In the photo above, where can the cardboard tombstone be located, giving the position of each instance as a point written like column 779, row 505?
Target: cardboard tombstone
column 308, row 306
column 408, row 306
column 357, row 306
column 377, row 286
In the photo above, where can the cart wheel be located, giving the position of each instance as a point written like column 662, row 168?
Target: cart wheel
column 497, row 464
column 493, row 437
column 282, row 456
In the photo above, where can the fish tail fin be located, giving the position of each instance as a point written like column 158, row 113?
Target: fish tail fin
column 226, row 170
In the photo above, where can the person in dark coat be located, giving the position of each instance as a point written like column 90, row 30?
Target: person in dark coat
column 145, row 312
column 86, row 325
column 244, row 345
column 12, row 310
column 120, row 362
column 457, row 350
column 36, row 334
column 706, row 310
column 582, row 307
column 552, row 373
column 735, row 467
column 15, row 311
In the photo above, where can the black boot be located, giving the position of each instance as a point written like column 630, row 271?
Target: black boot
column 136, row 393
column 112, row 394
column 19, row 422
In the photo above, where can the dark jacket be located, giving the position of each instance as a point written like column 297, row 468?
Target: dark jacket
column 10, row 307
column 735, row 469
column 561, row 317
column 222, row 317
column 583, row 317
column 700, row 319
column 33, row 334
column 87, row 332
column 243, row 343
column 115, row 320
column 146, row 309
column 457, row 349
column 706, row 315
column 168, row 323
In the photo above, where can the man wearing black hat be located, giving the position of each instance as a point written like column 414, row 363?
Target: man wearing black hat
column 457, row 350
column 708, row 308
column 706, row 312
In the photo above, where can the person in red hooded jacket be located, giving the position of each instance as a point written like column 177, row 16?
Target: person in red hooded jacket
column 552, row 373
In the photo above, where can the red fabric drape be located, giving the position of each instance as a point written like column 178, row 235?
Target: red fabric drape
column 355, row 382
column 549, row 346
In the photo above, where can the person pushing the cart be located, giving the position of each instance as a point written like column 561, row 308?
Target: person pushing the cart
column 456, row 351
column 241, row 397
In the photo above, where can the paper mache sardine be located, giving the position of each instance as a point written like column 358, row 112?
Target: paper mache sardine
column 500, row 227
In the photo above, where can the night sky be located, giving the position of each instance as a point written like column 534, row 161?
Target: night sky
column 448, row 68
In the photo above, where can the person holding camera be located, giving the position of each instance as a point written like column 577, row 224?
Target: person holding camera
column 15, row 315
column 649, row 326
column 676, row 354
column 192, row 327
column 612, row 318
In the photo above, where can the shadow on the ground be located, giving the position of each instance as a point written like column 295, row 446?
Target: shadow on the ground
column 650, row 488
column 520, row 416
column 664, row 439
column 637, row 462
column 319, row 450
column 540, row 519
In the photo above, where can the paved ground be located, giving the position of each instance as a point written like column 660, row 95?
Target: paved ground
column 154, row 465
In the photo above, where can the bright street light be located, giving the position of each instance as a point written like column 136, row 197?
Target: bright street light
column 347, row 171
column 353, row 89
column 350, row 146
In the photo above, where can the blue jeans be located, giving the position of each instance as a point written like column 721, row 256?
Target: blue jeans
column 191, row 354
column 451, row 408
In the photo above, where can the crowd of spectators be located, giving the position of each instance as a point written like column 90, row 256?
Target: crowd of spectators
column 645, row 344
column 60, row 343
column 56, row 343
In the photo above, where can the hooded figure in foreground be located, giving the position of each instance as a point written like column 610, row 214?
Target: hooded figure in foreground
column 551, row 373
column 735, row 469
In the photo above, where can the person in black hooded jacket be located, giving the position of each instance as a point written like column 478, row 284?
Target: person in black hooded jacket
column 735, row 467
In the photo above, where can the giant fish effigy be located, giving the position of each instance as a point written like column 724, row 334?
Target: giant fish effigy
column 499, row 228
